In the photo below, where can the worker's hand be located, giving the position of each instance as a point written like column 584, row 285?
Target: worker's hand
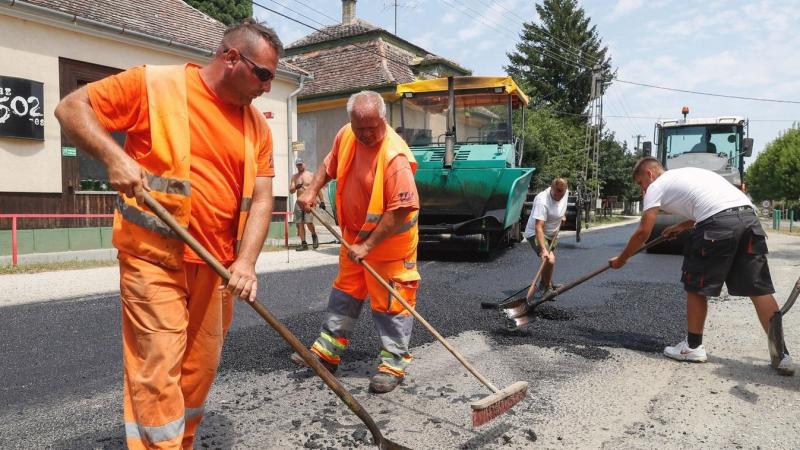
column 308, row 200
column 563, row 220
column 672, row 231
column 243, row 282
column 128, row 177
column 545, row 255
column 298, row 186
column 358, row 252
column 322, row 206
column 616, row 262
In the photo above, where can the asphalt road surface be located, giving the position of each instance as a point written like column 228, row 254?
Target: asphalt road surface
column 592, row 360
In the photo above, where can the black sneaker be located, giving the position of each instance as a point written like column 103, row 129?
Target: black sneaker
column 297, row 359
column 302, row 247
column 383, row 382
column 314, row 241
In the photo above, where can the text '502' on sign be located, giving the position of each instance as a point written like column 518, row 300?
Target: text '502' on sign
column 21, row 105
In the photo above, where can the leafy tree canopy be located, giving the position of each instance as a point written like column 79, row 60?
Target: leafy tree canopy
column 226, row 11
column 774, row 173
column 555, row 56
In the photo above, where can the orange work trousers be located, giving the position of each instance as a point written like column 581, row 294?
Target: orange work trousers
column 392, row 321
column 173, row 325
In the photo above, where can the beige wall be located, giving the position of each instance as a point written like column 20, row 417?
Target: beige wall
column 34, row 48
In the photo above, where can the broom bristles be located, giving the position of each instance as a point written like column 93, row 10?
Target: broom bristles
column 489, row 407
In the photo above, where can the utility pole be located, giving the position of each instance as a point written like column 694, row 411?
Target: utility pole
column 638, row 149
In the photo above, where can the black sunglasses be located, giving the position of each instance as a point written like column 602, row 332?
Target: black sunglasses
column 262, row 73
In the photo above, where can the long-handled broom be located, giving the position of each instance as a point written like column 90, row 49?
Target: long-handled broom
column 319, row 369
column 485, row 409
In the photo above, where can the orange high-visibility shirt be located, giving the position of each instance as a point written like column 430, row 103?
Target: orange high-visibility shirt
column 399, row 189
column 217, row 151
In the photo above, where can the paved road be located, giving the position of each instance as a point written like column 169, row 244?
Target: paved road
column 61, row 370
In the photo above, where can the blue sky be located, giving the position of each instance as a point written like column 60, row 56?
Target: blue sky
column 741, row 48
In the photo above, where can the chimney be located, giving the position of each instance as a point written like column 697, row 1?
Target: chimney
column 348, row 11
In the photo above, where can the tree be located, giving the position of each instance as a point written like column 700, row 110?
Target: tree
column 554, row 58
column 552, row 145
column 774, row 173
column 226, row 11
column 616, row 165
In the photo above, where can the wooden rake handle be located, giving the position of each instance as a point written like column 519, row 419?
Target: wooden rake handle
column 532, row 288
column 262, row 311
column 411, row 310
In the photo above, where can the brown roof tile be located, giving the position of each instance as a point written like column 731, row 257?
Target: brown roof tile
column 333, row 32
column 354, row 66
column 173, row 20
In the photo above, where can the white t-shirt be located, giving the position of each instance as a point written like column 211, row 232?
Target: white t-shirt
column 696, row 194
column 547, row 209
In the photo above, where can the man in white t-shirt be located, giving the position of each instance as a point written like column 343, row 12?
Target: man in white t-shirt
column 549, row 212
column 727, row 246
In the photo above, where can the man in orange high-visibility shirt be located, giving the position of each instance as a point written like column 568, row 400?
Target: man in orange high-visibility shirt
column 376, row 205
column 195, row 142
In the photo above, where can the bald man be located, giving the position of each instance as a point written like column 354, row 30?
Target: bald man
column 549, row 212
column 727, row 246
column 376, row 207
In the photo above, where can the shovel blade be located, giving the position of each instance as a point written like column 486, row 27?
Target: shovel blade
column 775, row 339
column 515, row 308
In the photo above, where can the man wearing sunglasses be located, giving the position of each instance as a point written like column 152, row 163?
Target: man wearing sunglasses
column 198, row 146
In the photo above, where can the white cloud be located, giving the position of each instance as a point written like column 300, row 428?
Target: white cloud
column 625, row 7
column 449, row 17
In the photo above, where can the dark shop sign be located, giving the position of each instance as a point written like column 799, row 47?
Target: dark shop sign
column 21, row 104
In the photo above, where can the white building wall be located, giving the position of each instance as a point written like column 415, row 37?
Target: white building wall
column 31, row 50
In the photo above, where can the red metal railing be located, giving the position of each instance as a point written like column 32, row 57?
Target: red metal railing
column 15, row 217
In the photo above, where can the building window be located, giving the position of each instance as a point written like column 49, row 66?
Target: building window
column 82, row 172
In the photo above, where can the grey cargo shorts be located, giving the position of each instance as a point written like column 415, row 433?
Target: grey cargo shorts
column 729, row 247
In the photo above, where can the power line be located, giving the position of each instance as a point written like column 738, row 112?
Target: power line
column 334, row 19
column 476, row 15
column 756, row 99
column 326, row 33
column 575, row 52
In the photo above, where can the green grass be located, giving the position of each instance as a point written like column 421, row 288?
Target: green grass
column 49, row 267
column 74, row 265
column 600, row 220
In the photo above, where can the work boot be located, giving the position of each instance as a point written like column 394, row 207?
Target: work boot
column 302, row 247
column 383, row 382
column 682, row 352
column 314, row 241
column 786, row 366
column 297, row 359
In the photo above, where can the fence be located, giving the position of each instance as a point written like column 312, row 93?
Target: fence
column 16, row 217
column 777, row 215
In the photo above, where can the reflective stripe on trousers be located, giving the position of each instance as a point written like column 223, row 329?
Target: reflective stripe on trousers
column 395, row 333
column 343, row 311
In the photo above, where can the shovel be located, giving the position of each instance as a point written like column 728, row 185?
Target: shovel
column 483, row 410
column 775, row 331
column 284, row 332
column 523, row 313
column 517, row 303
